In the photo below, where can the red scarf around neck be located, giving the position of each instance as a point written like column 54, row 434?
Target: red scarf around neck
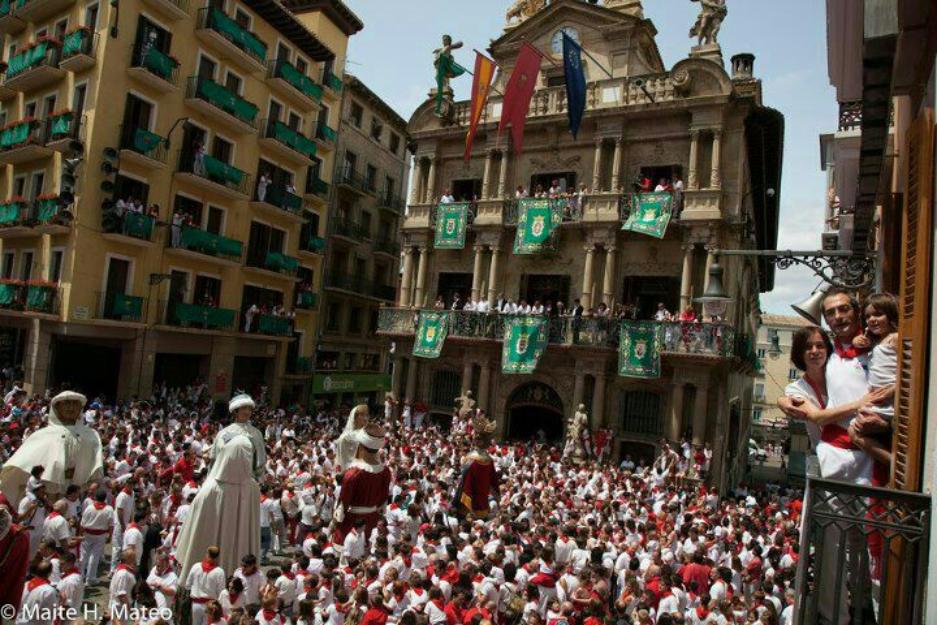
column 208, row 566
column 847, row 353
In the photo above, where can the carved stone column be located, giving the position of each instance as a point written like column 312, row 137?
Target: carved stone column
column 486, row 177
column 686, row 277
column 616, row 165
column 467, row 368
column 503, row 173
column 477, row 271
column 608, row 281
column 598, row 401
column 710, row 259
column 406, row 280
column 412, row 365
column 597, row 166
column 420, row 278
column 484, row 384
column 586, row 297
column 715, row 178
column 699, row 413
column 430, row 193
column 416, row 190
column 493, row 277
column 693, row 179
column 676, row 412
column 578, row 387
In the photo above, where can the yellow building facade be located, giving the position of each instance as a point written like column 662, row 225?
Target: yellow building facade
column 198, row 142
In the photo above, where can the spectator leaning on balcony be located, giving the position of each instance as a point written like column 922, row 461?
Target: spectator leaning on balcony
column 446, row 197
column 663, row 186
column 520, row 192
column 440, row 303
column 262, row 183
column 457, row 303
column 677, row 195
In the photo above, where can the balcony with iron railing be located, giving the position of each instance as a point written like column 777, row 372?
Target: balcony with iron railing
column 348, row 178
column 387, row 245
column 35, row 66
column 863, row 553
column 213, row 174
column 317, row 187
column 37, row 11
column 175, row 9
column 115, row 306
column 63, row 128
column 287, row 142
column 232, row 40
column 142, row 147
column 348, row 229
column 24, row 140
column 360, row 285
column 79, row 48
column 128, row 226
column 293, row 83
column 184, row 315
column 302, row 365
column 154, row 67
column 391, row 201
column 312, row 244
column 203, row 243
column 307, row 300
column 676, row 338
column 277, row 201
column 333, row 82
column 30, row 296
column 221, row 105
column 272, row 261
column 326, row 136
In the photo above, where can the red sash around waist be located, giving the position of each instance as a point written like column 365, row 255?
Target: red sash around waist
column 837, row 436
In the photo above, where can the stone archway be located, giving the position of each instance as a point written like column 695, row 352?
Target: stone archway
column 532, row 407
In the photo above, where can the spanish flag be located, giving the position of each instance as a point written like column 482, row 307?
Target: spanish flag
column 481, row 85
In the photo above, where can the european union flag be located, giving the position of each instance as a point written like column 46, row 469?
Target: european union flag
column 575, row 82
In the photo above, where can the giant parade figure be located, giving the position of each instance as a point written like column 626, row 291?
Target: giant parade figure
column 479, row 477
column 365, row 485
column 68, row 451
column 226, row 509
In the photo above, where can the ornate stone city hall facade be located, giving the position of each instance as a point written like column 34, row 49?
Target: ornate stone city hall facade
column 695, row 121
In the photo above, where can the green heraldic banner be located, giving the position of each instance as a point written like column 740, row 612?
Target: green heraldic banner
column 451, row 220
column 650, row 214
column 639, row 350
column 525, row 339
column 536, row 219
column 431, row 334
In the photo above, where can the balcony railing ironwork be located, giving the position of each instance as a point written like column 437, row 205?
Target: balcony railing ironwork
column 143, row 142
column 348, row 228
column 214, row 169
column 29, row 297
column 361, row 285
column 217, row 20
column 863, row 552
column 198, row 240
column 223, row 99
column 120, row 306
column 281, row 68
column 199, row 316
column 691, row 338
column 157, row 62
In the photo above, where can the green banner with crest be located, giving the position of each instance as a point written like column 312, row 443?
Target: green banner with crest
column 525, row 340
column 431, row 334
column 451, row 220
column 536, row 220
column 639, row 349
column 650, row 214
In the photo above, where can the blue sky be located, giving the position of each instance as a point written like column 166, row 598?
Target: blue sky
column 393, row 55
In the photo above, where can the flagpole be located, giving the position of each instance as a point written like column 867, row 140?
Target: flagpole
column 491, row 88
column 597, row 64
column 543, row 55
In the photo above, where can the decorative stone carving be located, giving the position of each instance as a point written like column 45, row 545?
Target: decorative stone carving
column 521, row 10
column 709, row 21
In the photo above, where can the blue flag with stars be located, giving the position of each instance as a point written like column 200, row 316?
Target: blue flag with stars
column 575, row 82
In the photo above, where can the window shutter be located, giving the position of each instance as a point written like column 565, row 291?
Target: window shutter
column 913, row 305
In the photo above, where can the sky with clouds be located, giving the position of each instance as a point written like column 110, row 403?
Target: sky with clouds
column 393, row 56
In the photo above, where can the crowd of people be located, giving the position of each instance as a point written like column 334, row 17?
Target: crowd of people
column 580, row 541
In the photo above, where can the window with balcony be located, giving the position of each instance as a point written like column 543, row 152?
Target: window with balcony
column 206, row 68
column 221, row 149
column 756, row 415
column 233, row 82
column 283, row 53
column 265, row 249
column 135, row 132
column 466, row 190
column 243, row 19
column 36, row 182
column 192, row 209
column 301, row 64
column 377, row 129
column 215, row 222
column 390, row 190
column 394, row 142
column 55, row 266
column 7, row 269
column 759, row 392
column 26, row 266
column 78, row 98
column 151, row 50
column 207, row 291
column 366, row 223
column 333, row 316
column 295, row 122
column 355, row 320
column 91, row 16
column 371, row 177
column 356, row 114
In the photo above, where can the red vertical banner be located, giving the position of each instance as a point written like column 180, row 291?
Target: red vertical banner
column 519, row 90
column 481, row 86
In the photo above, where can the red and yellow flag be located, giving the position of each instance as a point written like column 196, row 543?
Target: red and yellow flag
column 481, row 85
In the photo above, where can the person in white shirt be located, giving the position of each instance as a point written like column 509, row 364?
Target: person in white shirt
column 121, row 588
column 266, row 521
column 55, row 528
column 96, row 523
column 39, row 597
column 252, row 579
column 355, row 541
column 133, row 536
column 205, row 582
column 163, row 580
column 482, row 306
column 469, row 305
column 71, row 585
column 123, row 515
column 446, row 198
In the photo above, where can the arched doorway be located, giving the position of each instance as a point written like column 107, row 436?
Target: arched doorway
column 638, row 451
column 533, row 407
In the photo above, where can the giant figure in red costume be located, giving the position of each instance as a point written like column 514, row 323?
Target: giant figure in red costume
column 365, row 485
column 479, row 477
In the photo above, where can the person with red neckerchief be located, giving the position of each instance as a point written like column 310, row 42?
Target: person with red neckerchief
column 205, row 582
column 121, row 588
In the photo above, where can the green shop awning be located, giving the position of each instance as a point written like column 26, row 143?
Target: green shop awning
column 323, row 383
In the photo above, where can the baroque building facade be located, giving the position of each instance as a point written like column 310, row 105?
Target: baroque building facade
column 694, row 120
column 192, row 247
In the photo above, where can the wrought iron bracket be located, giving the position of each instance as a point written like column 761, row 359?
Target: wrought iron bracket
column 839, row 268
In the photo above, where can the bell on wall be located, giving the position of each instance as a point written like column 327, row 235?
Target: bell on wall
column 810, row 308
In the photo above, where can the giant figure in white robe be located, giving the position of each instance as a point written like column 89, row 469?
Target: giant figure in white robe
column 226, row 509
column 67, row 449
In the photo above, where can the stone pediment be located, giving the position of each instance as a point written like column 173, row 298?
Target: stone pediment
column 622, row 42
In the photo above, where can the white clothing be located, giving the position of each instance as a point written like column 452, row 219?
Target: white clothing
column 252, row 585
column 160, row 583
column 121, row 593
column 883, row 371
column 133, row 539
column 226, row 510
column 42, row 597
column 72, row 589
column 55, row 527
